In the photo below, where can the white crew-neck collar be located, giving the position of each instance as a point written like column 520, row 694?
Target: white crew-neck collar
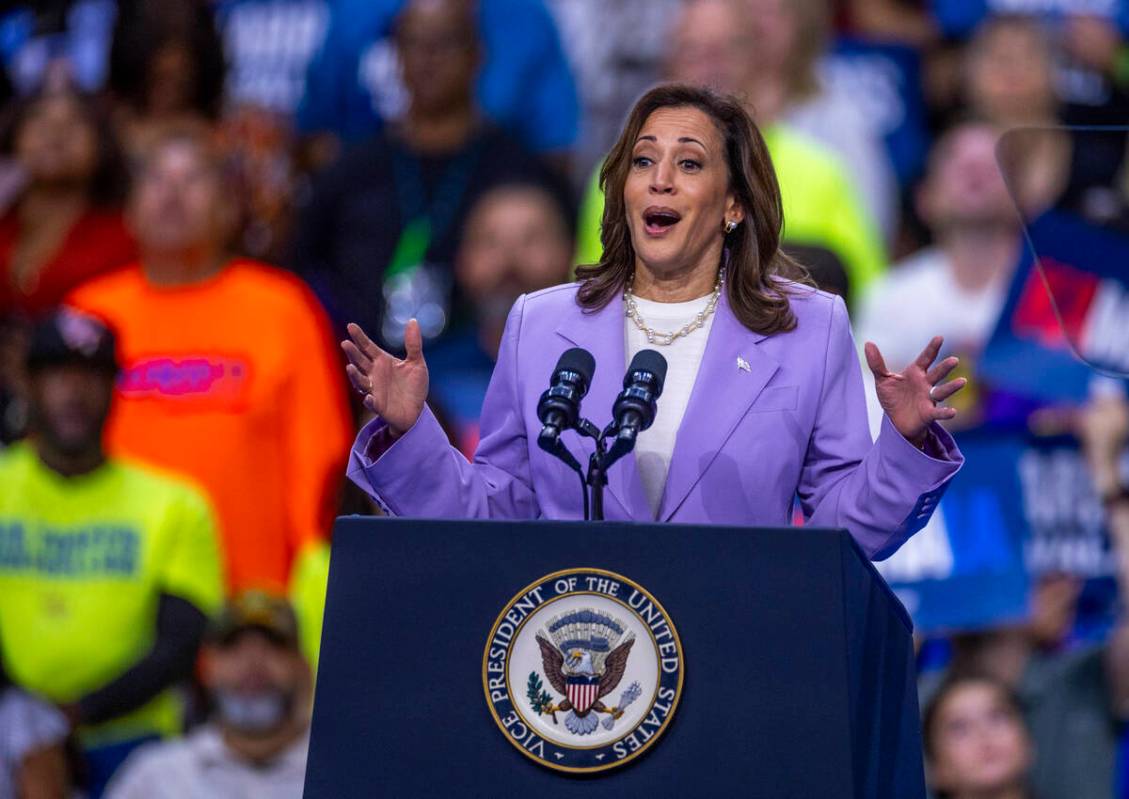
column 668, row 309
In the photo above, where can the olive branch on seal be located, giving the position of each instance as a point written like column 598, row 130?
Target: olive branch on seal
column 538, row 698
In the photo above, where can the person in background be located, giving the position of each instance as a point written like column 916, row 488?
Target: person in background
column 977, row 745
column 1008, row 73
column 33, row 760
column 517, row 239
column 1087, row 42
column 108, row 571
column 65, row 225
column 1008, row 76
column 524, row 86
column 616, row 51
column 166, row 68
column 822, row 209
column 957, row 285
column 377, row 236
column 1075, row 697
column 256, row 741
column 783, row 84
column 62, row 189
column 230, row 372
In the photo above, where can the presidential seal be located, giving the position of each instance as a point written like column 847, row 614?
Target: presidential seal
column 583, row 670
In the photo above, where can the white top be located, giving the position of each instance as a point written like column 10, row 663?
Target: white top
column 655, row 445
column 918, row 299
column 200, row 766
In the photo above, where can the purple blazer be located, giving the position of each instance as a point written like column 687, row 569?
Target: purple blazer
column 794, row 424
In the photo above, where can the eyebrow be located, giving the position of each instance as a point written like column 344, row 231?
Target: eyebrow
column 681, row 140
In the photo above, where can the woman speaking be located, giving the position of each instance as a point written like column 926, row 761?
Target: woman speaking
column 763, row 397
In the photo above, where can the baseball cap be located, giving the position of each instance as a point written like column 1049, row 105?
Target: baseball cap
column 256, row 610
column 68, row 336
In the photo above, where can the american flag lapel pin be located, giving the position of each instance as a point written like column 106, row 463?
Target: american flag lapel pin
column 742, row 364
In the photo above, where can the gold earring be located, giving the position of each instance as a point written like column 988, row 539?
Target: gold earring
column 730, row 226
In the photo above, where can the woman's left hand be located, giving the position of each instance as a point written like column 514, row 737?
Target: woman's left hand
column 912, row 397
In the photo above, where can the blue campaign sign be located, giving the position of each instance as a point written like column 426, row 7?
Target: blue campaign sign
column 966, row 569
column 884, row 80
column 1067, row 312
column 1019, row 507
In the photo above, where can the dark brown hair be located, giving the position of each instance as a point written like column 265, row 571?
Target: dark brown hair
column 755, row 265
column 109, row 183
column 949, row 686
column 144, row 29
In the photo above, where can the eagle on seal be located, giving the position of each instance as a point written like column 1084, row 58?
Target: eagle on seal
column 584, row 678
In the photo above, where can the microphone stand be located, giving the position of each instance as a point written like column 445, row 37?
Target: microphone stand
column 599, row 461
column 592, row 487
column 597, row 470
column 642, row 388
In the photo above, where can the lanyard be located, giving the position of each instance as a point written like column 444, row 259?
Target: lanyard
column 426, row 222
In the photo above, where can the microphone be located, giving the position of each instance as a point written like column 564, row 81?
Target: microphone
column 635, row 407
column 559, row 407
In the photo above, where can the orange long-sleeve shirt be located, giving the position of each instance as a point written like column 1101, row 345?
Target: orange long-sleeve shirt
column 234, row 381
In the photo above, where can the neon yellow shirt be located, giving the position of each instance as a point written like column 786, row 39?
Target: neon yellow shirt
column 82, row 563
column 309, row 580
column 821, row 208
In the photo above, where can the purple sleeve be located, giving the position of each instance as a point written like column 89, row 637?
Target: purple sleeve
column 882, row 492
column 422, row 475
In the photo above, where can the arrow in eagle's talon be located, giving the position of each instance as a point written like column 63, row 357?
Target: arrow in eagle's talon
column 626, row 698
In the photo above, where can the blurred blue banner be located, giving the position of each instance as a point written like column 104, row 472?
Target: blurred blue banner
column 1066, row 316
column 1019, row 507
column 883, row 80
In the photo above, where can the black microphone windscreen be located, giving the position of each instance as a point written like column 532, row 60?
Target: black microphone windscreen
column 650, row 361
column 577, row 360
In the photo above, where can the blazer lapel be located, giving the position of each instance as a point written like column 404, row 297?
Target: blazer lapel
column 722, row 394
column 602, row 334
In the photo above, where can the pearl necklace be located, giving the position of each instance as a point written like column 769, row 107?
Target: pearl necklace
column 661, row 337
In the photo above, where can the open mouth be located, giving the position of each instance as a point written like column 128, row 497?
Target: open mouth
column 658, row 221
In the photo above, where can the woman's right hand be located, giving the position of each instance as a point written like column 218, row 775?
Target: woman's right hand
column 393, row 389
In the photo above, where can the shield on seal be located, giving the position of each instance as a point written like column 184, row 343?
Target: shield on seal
column 582, row 691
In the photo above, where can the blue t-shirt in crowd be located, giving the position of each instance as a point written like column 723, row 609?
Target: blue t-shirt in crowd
column 525, row 85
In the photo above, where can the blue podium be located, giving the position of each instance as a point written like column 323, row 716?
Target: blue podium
column 544, row 659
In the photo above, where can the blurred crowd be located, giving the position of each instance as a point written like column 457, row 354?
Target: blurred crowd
column 196, row 196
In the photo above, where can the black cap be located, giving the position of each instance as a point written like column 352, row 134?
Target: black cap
column 256, row 610
column 68, row 336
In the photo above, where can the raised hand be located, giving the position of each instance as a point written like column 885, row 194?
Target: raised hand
column 912, row 397
column 394, row 389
